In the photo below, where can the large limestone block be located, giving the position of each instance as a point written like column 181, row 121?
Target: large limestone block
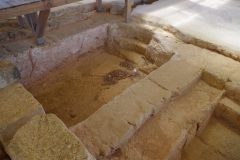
column 17, row 107
column 233, row 91
column 9, row 74
column 228, row 110
column 103, row 132
column 46, row 137
column 152, row 93
column 176, row 76
column 130, row 107
column 160, row 49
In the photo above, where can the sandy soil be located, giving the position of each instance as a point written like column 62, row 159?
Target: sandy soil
column 76, row 90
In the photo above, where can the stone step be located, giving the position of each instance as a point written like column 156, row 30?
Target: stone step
column 166, row 134
column 229, row 110
column 46, row 137
column 115, row 122
column 132, row 30
column 17, row 107
column 131, row 44
column 142, row 63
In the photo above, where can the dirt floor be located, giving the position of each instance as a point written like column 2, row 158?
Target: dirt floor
column 76, row 90
column 218, row 141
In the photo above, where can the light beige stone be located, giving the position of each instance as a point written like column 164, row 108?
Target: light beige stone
column 159, row 49
column 152, row 93
column 233, row 90
column 176, row 76
column 229, row 110
column 9, row 74
column 46, row 137
column 17, row 107
column 103, row 132
column 166, row 134
column 214, row 78
column 131, row 44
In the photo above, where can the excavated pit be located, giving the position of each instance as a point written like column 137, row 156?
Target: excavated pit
column 81, row 77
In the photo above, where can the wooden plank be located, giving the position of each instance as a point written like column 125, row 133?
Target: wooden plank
column 99, row 5
column 32, row 7
column 128, row 10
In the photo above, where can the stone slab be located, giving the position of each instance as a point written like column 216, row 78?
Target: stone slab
column 152, row 93
column 233, row 91
column 17, row 107
column 46, row 137
column 229, row 110
column 165, row 135
column 9, row 74
column 103, row 132
column 176, row 76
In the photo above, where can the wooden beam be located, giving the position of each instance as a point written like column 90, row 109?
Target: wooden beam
column 41, row 24
column 32, row 7
column 128, row 10
column 99, row 5
column 20, row 21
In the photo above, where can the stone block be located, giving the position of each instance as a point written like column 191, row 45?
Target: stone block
column 152, row 93
column 233, row 90
column 9, row 74
column 46, row 137
column 176, row 76
column 103, row 132
column 17, row 107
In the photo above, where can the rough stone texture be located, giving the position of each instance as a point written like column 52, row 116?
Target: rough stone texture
column 17, row 107
column 229, row 110
column 233, row 91
column 158, row 50
column 102, row 132
column 152, row 93
column 217, row 141
column 131, row 44
column 176, row 76
column 165, row 135
column 46, row 137
column 116, row 9
column 114, row 123
column 9, row 74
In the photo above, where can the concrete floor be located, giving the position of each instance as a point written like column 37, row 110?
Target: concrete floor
column 214, row 21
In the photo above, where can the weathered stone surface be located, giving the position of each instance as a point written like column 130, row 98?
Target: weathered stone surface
column 229, row 110
column 117, row 9
column 165, row 135
column 131, row 44
column 152, row 93
column 176, row 76
column 46, row 137
column 9, row 74
column 233, row 90
column 103, row 132
column 17, row 107
column 159, row 49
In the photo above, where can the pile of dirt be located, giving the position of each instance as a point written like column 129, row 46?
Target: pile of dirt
column 127, row 64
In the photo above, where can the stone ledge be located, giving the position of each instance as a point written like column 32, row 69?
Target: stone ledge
column 176, row 76
column 17, row 107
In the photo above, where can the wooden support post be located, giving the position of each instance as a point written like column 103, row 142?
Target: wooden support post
column 20, row 21
column 128, row 10
column 99, row 5
column 41, row 24
column 38, row 24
